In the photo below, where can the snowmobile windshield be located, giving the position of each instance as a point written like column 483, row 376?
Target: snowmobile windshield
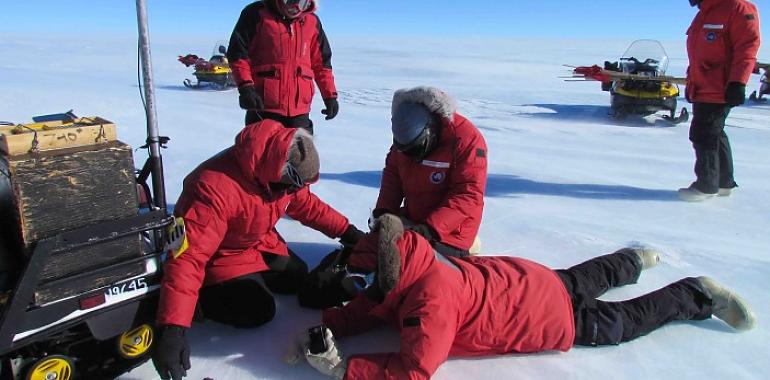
column 220, row 49
column 645, row 57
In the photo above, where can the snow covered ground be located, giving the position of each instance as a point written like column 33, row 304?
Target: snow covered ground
column 566, row 183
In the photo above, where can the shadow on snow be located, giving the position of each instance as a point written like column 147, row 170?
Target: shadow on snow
column 505, row 185
column 596, row 115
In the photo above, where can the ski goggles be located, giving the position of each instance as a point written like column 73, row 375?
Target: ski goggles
column 296, row 6
column 418, row 147
column 359, row 281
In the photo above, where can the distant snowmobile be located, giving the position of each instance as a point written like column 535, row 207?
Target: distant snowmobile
column 764, row 86
column 214, row 72
column 637, row 82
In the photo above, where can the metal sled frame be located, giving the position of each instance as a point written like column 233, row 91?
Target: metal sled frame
column 20, row 317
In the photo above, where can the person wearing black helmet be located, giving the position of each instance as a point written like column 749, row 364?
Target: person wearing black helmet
column 437, row 167
column 277, row 50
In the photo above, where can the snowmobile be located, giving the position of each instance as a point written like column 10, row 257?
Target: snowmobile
column 764, row 85
column 94, row 331
column 637, row 82
column 215, row 71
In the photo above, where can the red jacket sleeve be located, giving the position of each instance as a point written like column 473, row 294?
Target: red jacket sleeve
column 309, row 210
column 183, row 276
column 744, row 39
column 240, row 43
column 321, row 58
column 427, row 333
column 466, row 194
column 351, row 319
column 391, row 192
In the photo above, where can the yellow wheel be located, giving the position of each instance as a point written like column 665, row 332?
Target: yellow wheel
column 135, row 343
column 54, row 367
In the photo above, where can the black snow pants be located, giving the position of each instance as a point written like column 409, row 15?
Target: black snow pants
column 713, row 156
column 247, row 301
column 300, row 121
column 604, row 323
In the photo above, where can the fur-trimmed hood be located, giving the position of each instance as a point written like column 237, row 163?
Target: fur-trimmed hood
column 399, row 256
column 435, row 100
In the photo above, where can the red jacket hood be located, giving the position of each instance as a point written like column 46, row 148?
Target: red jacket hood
column 261, row 150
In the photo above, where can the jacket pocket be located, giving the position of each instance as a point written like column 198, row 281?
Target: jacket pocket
column 268, row 84
column 305, row 86
column 713, row 79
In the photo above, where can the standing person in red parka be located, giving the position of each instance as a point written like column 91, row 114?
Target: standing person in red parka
column 230, row 205
column 722, row 45
column 437, row 167
column 277, row 49
column 479, row 306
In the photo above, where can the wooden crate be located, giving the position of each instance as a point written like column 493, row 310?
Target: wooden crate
column 66, row 189
column 35, row 137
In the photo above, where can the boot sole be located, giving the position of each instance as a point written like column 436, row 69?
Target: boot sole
column 688, row 196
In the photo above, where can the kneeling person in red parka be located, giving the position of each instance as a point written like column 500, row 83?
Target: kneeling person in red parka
column 478, row 306
column 437, row 167
column 230, row 205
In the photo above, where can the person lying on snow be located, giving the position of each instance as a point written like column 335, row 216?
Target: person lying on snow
column 490, row 305
column 230, row 205
column 437, row 166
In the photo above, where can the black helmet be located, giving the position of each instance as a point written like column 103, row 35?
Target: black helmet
column 414, row 130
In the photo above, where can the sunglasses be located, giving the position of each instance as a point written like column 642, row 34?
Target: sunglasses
column 296, row 180
column 361, row 281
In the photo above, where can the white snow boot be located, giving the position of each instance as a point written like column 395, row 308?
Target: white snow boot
column 649, row 257
column 691, row 194
column 728, row 306
column 725, row 191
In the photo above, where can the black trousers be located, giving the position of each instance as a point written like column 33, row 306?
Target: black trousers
column 300, row 121
column 247, row 301
column 713, row 155
column 603, row 323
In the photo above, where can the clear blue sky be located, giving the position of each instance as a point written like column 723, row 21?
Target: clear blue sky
column 661, row 19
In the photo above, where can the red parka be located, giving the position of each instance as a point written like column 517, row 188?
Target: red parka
column 445, row 307
column 722, row 45
column 230, row 217
column 281, row 57
column 446, row 189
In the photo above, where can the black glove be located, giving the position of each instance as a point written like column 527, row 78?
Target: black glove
column 426, row 231
column 332, row 107
column 248, row 99
column 172, row 353
column 351, row 236
column 735, row 94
